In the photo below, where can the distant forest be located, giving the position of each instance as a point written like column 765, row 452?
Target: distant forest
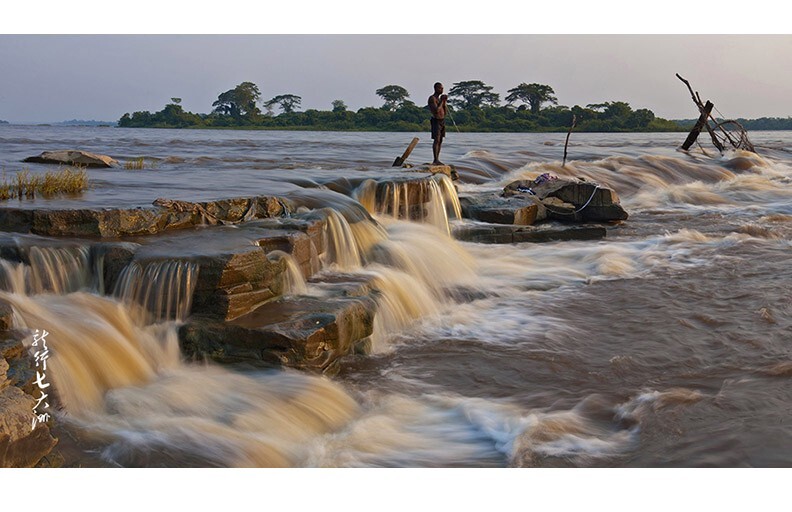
column 474, row 108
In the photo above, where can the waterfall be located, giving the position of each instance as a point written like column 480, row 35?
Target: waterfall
column 347, row 245
column 342, row 247
column 427, row 200
column 56, row 270
column 164, row 288
column 294, row 281
column 124, row 380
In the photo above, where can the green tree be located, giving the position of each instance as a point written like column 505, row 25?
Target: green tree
column 473, row 94
column 287, row 102
column 339, row 106
column 533, row 94
column 394, row 96
column 239, row 102
column 176, row 101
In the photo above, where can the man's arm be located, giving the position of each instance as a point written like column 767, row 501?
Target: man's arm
column 433, row 104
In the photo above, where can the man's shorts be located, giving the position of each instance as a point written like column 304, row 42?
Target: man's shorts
column 438, row 128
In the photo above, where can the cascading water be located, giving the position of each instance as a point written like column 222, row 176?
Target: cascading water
column 164, row 288
column 51, row 270
column 425, row 200
column 294, row 280
column 121, row 379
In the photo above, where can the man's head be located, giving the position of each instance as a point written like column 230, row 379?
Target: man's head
column 438, row 88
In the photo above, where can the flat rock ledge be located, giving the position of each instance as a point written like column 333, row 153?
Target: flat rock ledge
column 119, row 222
column 448, row 170
column 73, row 157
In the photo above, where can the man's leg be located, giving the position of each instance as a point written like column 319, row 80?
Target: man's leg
column 438, row 144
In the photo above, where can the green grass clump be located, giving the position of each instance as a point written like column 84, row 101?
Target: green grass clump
column 52, row 183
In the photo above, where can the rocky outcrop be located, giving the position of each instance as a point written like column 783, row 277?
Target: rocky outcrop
column 20, row 445
column 309, row 333
column 502, row 234
column 521, row 210
column 73, row 157
column 448, row 170
column 589, row 201
column 124, row 222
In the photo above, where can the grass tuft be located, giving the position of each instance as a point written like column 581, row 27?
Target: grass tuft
column 52, row 183
column 136, row 164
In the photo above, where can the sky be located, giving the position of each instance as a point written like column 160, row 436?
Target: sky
column 47, row 78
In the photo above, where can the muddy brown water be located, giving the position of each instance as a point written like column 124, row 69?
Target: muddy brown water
column 666, row 344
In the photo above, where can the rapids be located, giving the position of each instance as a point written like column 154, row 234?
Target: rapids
column 665, row 344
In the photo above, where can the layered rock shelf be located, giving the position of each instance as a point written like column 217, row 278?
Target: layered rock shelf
column 120, row 222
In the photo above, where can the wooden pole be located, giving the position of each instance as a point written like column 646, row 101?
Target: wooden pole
column 702, row 120
column 574, row 122
column 400, row 159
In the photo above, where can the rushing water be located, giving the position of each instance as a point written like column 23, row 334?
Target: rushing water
column 666, row 344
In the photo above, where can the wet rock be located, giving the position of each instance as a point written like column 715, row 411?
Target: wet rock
column 303, row 332
column 592, row 201
column 73, row 157
column 409, row 191
column 231, row 280
column 115, row 222
column 557, row 209
column 114, row 257
column 521, row 209
column 21, row 446
column 448, row 170
column 502, row 234
column 6, row 316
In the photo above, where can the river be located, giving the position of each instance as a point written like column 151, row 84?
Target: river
column 667, row 344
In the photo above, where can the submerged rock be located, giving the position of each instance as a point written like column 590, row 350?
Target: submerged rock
column 502, row 234
column 590, row 201
column 73, row 157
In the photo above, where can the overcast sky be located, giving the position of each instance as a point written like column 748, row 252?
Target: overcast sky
column 55, row 78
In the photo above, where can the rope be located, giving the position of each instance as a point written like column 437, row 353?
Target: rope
column 448, row 111
column 596, row 187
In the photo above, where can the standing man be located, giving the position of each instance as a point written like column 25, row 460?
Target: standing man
column 438, row 106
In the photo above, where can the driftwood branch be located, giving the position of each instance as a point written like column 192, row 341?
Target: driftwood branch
column 705, row 114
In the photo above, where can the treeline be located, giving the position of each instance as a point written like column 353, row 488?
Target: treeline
column 762, row 123
column 474, row 108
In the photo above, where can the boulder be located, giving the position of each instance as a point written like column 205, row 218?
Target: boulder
column 593, row 202
column 21, row 446
column 73, row 157
column 308, row 333
column 521, row 209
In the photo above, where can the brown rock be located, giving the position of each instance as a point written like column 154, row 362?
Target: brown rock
column 21, row 446
column 303, row 332
column 523, row 209
column 73, row 157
